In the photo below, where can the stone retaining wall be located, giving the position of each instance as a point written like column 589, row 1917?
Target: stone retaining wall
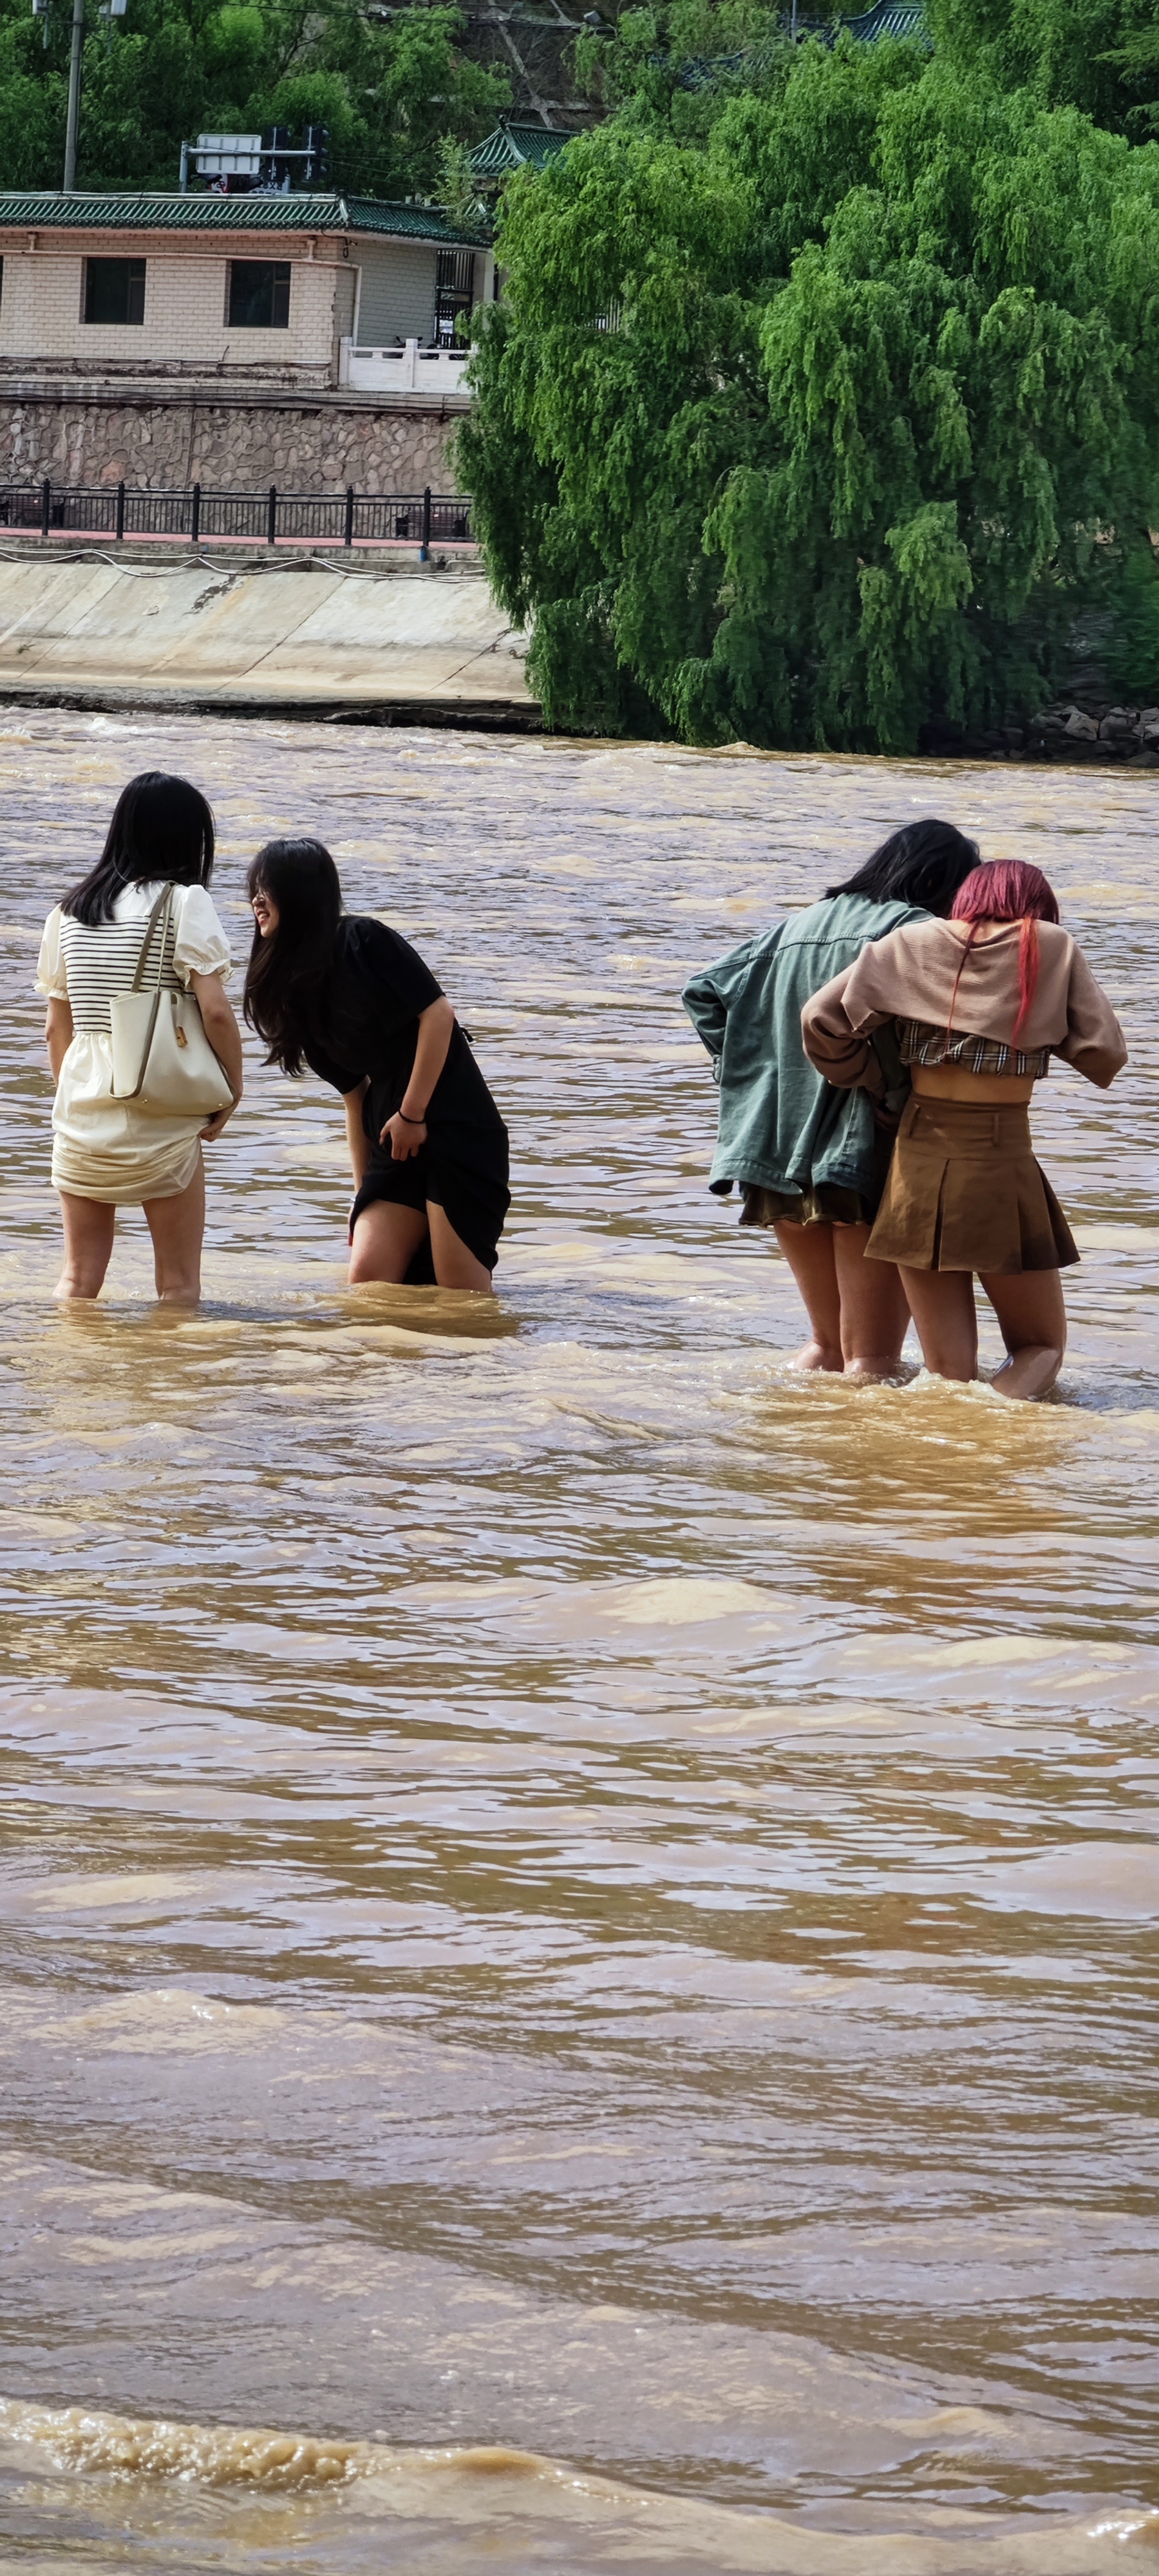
column 167, row 441
column 1068, row 731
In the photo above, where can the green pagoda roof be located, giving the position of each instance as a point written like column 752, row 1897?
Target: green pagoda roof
column 165, row 210
column 889, row 18
column 897, row 18
column 510, row 147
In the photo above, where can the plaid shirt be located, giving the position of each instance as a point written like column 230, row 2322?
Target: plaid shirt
column 921, row 1043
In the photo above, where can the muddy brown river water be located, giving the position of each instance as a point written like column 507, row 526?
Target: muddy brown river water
column 578, row 1912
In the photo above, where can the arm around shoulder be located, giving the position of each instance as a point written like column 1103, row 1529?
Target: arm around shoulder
column 834, row 1047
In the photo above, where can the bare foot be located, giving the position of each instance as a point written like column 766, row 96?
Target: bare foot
column 817, row 1355
column 878, row 1367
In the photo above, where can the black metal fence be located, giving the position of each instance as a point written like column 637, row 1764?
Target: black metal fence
column 269, row 517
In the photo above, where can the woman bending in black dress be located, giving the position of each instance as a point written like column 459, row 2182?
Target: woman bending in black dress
column 342, row 993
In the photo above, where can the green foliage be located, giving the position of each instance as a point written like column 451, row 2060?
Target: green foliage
column 458, row 187
column 1100, row 55
column 646, row 69
column 28, row 121
column 392, row 90
column 1133, row 657
column 820, row 430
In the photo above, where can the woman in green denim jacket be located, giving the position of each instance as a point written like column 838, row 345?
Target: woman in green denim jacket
column 811, row 1160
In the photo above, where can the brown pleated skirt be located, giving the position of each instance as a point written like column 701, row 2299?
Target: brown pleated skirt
column 965, row 1193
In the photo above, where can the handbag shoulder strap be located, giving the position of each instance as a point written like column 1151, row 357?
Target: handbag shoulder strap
column 164, row 904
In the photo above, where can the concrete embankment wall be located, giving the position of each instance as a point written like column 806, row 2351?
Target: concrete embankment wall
column 166, row 437
column 394, row 642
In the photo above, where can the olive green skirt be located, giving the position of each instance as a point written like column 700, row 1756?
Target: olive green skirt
column 822, row 1202
column 965, row 1193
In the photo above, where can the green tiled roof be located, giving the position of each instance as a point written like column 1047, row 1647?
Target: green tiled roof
column 411, row 223
column 889, row 18
column 162, row 210
column 886, row 18
column 510, row 146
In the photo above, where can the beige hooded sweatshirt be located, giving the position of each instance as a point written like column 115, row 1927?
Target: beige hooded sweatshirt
column 910, row 976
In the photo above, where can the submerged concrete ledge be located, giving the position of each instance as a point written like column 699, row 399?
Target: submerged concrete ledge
column 474, row 715
column 108, row 628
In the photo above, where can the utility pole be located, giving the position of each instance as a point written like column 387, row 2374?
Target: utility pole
column 73, row 121
column 45, row 11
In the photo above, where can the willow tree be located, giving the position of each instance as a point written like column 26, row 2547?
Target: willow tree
column 1101, row 55
column 824, row 427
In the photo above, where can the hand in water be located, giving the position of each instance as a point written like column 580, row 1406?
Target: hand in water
column 403, row 1136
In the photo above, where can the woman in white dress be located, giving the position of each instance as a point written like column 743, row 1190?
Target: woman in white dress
column 109, row 1153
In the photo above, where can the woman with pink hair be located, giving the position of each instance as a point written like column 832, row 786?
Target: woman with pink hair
column 982, row 1001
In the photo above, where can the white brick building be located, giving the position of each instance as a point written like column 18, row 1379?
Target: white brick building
column 297, row 292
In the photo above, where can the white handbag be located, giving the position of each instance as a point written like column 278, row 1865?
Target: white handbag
column 162, row 1059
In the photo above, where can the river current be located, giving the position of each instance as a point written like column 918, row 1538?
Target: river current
column 578, row 1910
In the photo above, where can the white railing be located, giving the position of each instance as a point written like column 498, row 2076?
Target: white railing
column 405, row 368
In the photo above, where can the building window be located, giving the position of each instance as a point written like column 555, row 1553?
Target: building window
column 114, row 290
column 259, row 295
column 454, row 292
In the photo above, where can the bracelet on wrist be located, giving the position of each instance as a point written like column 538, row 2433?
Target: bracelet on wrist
column 409, row 1122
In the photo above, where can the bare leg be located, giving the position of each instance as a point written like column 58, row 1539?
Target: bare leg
column 1032, row 1318
column 88, row 1242
column 386, row 1239
column 874, row 1312
column 177, row 1226
column 455, row 1265
column 808, row 1249
column 942, row 1305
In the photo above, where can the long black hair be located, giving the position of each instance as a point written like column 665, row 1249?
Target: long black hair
column 288, row 976
column 923, row 864
column 162, row 828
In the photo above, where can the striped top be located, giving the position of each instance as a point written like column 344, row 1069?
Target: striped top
column 920, row 1042
column 101, row 963
column 88, row 968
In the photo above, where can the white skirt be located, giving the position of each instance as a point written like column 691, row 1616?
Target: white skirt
column 108, row 1149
